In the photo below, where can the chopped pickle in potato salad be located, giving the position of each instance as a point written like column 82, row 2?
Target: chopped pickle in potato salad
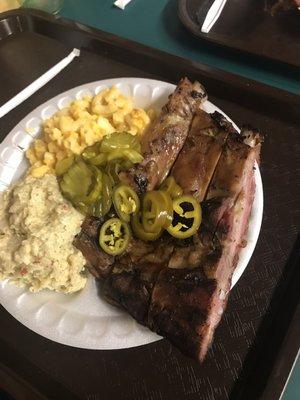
column 37, row 229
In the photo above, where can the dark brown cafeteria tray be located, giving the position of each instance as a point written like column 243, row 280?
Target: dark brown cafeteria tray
column 246, row 26
column 258, row 338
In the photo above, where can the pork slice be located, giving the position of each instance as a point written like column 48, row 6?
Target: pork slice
column 231, row 224
column 232, row 171
column 230, row 234
column 183, row 302
column 130, row 283
column 162, row 143
column 200, row 154
column 188, row 318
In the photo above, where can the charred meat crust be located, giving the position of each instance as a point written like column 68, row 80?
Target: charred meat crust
column 141, row 182
column 222, row 122
column 180, row 289
column 134, row 274
column 181, row 302
column 225, row 217
column 131, row 289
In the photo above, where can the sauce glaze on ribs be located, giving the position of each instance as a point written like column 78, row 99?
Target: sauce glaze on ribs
column 201, row 152
column 209, row 262
column 179, row 289
column 163, row 142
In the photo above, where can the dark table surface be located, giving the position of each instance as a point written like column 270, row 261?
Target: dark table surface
column 155, row 23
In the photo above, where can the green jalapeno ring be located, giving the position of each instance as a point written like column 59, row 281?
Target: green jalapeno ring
column 182, row 230
column 114, row 236
column 126, row 201
column 170, row 186
column 139, row 230
column 157, row 211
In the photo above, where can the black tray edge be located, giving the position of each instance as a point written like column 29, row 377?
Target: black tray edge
column 17, row 376
column 275, row 366
column 238, row 81
column 218, row 74
column 194, row 30
column 279, row 377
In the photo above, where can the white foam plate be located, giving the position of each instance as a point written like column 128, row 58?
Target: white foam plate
column 83, row 319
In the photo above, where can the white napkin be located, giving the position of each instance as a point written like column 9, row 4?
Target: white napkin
column 121, row 3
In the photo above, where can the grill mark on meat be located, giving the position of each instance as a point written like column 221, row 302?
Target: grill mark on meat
column 134, row 275
column 180, row 289
column 195, row 165
column 165, row 138
column 131, row 289
column 180, row 306
column 215, row 259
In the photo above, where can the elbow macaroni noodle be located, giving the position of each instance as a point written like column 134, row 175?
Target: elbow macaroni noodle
column 83, row 123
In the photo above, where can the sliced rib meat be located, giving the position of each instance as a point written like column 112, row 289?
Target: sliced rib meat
column 180, row 289
column 163, row 142
column 231, row 174
column 233, row 187
column 213, row 255
column 133, row 278
column 131, row 281
column 200, row 154
column 181, row 305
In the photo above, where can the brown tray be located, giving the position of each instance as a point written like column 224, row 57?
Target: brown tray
column 246, row 26
column 256, row 342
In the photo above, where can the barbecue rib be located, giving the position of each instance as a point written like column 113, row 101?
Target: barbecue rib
column 161, row 145
column 177, row 289
column 134, row 274
column 200, row 153
column 180, row 288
